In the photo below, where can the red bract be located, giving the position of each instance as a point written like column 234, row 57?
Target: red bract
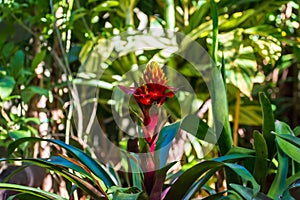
column 152, row 93
column 153, row 89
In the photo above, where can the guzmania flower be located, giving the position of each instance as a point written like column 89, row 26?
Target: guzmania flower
column 152, row 93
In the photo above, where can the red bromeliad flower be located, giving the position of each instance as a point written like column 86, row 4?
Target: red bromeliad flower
column 152, row 92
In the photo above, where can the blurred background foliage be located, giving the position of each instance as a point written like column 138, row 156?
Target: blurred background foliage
column 43, row 44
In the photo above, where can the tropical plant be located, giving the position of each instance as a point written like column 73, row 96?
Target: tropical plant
column 65, row 45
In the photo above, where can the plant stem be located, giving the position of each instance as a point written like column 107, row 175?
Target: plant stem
column 236, row 118
column 170, row 14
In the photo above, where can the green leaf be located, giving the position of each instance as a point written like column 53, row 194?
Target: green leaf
column 17, row 134
column 286, row 140
column 7, row 84
column 30, row 190
column 24, row 196
column 240, row 61
column 105, row 6
column 261, row 163
column 197, row 127
column 17, row 64
column 198, row 184
column 94, row 166
column 289, row 149
column 164, row 142
column 282, row 128
column 245, row 175
column 186, row 180
column 32, row 90
column 268, row 124
column 132, row 193
column 278, row 184
column 215, row 31
column 296, row 130
column 291, row 180
column 58, row 160
column 136, row 171
column 38, row 59
column 240, row 150
column 81, row 183
column 247, row 193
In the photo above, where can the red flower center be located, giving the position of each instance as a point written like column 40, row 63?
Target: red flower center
column 151, row 93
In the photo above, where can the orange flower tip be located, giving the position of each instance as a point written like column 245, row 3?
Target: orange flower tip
column 154, row 74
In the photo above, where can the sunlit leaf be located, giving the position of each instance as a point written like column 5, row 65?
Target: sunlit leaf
column 7, row 85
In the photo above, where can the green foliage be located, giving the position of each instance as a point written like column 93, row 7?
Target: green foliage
column 49, row 49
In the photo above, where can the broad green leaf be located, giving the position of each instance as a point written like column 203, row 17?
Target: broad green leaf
column 17, row 64
column 245, row 175
column 198, row 184
column 286, row 140
column 278, row 184
column 197, row 127
column 30, row 190
column 282, row 128
column 17, row 134
column 268, row 124
column 247, row 193
column 240, row 61
column 7, row 84
column 93, row 165
column 289, row 138
column 289, row 149
column 220, row 111
column 186, row 180
column 38, row 59
column 261, row 163
column 164, row 142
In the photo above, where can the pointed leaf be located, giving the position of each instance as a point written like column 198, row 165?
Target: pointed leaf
column 268, row 124
column 197, row 127
column 247, row 193
column 94, row 166
column 164, row 142
column 278, row 184
column 82, row 184
column 30, row 190
column 7, row 85
column 261, row 163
